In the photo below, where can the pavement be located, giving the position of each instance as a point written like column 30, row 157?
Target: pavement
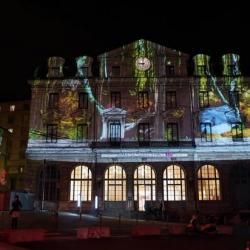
column 61, row 233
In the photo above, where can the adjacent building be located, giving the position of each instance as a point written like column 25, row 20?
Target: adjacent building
column 142, row 131
column 14, row 124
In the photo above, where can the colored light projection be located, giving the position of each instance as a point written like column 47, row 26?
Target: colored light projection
column 121, row 120
column 224, row 102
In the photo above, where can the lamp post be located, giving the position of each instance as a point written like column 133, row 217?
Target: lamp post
column 43, row 183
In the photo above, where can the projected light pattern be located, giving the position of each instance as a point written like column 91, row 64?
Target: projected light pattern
column 226, row 111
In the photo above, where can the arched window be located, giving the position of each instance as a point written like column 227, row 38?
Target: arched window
column 208, row 183
column 144, row 185
column 81, row 184
column 174, row 183
column 115, row 184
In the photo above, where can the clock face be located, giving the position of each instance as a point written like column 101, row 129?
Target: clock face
column 142, row 63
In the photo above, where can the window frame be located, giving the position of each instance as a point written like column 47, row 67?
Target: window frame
column 84, row 182
column 112, row 184
column 171, row 125
column 170, row 70
column 143, row 99
column 207, row 136
column 83, row 100
column 170, row 99
column 173, row 182
column 115, row 99
column 52, row 137
column 80, row 132
column 53, row 100
column 239, row 136
column 205, row 183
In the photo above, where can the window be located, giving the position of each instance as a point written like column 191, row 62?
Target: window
column 11, row 119
column 51, row 135
column 206, row 132
column 143, row 101
column 237, row 131
column 115, row 99
column 201, row 70
column 143, row 132
column 232, row 69
column 170, row 99
column 49, row 183
column 116, row 71
column 204, row 99
column 53, row 100
column 144, row 185
column 115, row 184
column 171, row 132
column 174, row 183
column 170, row 70
column 115, row 131
column 12, row 108
column 54, row 71
column 84, row 71
column 208, row 183
column 26, row 106
column 81, row 184
column 234, row 99
column 82, row 132
column 83, row 100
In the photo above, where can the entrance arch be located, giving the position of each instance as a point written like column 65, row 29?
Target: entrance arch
column 144, row 185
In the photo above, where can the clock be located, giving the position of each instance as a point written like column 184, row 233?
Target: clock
column 142, row 63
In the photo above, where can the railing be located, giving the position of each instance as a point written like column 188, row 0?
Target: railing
column 141, row 144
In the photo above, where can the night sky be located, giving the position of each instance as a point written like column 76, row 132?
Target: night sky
column 31, row 31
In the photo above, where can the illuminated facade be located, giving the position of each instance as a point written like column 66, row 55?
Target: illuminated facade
column 14, row 118
column 141, row 132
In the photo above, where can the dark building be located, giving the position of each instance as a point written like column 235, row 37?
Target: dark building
column 139, row 132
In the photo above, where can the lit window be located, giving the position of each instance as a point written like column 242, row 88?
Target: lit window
column 206, row 132
column 11, row 130
column 115, row 184
column 208, row 183
column 12, row 108
column 174, row 183
column 144, row 185
column 81, row 184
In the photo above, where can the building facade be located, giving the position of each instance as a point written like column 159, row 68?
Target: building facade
column 14, row 121
column 142, row 133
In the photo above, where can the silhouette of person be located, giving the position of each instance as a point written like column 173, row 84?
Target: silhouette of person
column 15, row 212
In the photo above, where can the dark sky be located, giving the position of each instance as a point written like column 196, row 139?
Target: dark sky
column 31, row 31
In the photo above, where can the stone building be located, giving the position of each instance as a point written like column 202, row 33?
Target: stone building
column 14, row 120
column 142, row 133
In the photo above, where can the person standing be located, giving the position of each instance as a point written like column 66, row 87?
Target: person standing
column 15, row 212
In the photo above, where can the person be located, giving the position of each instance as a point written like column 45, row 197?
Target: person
column 15, row 212
column 210, row 226
column 193, row 225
